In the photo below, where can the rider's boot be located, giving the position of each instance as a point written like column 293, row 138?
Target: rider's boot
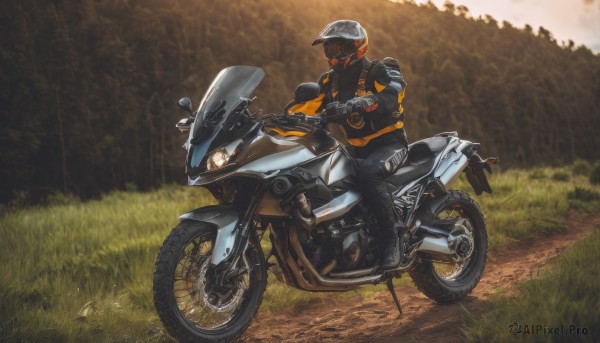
column 389, row 240
column 390, row 250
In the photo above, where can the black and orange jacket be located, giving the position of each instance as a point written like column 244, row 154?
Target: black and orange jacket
column 381, row 81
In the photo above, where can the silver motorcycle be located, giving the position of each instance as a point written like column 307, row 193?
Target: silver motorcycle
column 287, row 177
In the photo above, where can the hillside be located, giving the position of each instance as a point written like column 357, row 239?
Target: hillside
column 88, row 89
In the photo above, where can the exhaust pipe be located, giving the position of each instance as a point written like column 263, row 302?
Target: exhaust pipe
column 435, row 245
column 292, row 269
column 324, row 281
column 308, row 218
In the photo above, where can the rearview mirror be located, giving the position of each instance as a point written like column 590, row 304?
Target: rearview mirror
column 307, row 91
column 186, row 105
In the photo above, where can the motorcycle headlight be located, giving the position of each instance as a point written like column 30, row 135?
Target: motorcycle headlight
column 217, row 159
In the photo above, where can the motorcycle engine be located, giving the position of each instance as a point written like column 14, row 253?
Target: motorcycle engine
column 344, row 239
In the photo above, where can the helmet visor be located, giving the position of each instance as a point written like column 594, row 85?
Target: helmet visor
column 338, row 47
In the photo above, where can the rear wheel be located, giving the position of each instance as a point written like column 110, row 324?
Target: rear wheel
column 190, row 306
column 451, row 281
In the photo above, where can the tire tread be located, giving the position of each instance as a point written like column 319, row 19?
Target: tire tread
column 423, row 274
column 162, row 288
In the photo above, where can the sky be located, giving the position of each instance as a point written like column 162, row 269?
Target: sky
column 578, row 20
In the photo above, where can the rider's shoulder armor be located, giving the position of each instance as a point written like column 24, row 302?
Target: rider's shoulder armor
column 382, row 75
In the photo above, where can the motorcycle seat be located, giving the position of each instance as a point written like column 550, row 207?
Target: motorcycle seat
column 421, row 157
column 410, row 172
column 426, row 149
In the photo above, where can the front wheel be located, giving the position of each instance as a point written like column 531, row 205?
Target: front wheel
column 447, row 282
column 190, row 306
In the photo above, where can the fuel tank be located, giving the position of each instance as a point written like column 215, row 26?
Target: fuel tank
column 332, row 168
column 268, row 153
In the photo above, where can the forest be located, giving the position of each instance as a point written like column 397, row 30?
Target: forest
column 89, row 89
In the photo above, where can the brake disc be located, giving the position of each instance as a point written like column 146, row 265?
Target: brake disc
column 223, row 300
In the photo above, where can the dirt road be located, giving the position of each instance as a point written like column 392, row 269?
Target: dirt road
column 376, row 319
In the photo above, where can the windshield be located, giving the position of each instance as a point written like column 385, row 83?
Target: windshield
column 230, row 84
column 229, row 88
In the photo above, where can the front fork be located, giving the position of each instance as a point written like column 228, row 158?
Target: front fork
column 229, row 246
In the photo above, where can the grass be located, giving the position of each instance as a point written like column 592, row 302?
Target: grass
column 82, row 272
column 565, row 296
column 526, row 203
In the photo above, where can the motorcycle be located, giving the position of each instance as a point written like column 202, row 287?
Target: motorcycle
column 286, row 176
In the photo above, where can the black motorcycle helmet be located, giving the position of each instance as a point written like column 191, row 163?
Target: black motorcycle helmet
column 344, row 41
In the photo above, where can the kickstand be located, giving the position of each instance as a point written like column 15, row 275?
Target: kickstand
column 390, row 287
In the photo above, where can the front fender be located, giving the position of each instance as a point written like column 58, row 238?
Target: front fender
column 225, row 219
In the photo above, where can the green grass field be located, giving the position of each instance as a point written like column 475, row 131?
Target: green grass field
column 560, row 305
column 81, row 272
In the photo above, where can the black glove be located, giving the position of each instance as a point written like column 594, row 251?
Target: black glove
column 337, row 112
column 363, row 104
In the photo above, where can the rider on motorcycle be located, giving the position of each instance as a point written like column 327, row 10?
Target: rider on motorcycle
column 365, row 98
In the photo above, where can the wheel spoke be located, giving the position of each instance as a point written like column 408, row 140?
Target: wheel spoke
column 189, row 303
column 205, row 310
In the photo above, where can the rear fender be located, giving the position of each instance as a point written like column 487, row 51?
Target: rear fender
column 476, row 175
column 225, row 220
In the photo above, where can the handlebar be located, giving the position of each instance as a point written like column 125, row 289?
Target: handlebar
column 307, row 119
column 297, row 119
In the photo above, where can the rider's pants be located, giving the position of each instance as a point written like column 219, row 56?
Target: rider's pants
column 382, row 157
